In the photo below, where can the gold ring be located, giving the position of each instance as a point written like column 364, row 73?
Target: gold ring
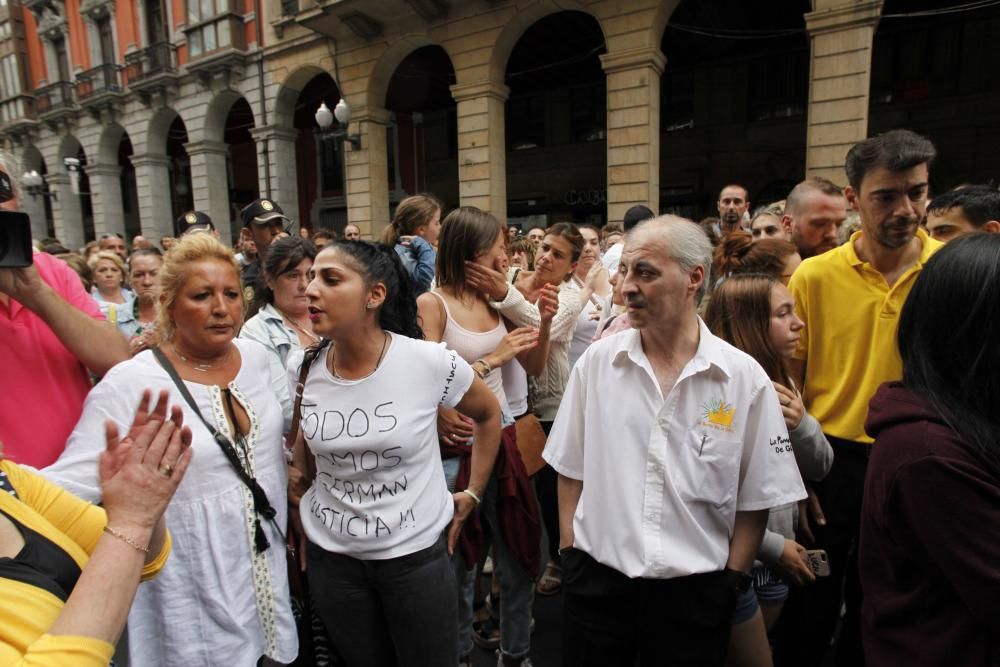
column 166, row 470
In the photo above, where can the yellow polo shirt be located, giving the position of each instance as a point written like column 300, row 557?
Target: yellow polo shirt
column 849, row 341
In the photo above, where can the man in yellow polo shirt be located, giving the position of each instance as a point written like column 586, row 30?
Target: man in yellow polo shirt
column 850, row 299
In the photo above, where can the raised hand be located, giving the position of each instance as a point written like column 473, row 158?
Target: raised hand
column 139, row 473
column 484, row 279
column 514, row 343
column 548, row 302
column 791, row 405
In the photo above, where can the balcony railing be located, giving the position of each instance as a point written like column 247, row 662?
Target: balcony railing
column 101, row 80
column 54, row 97
column 17, row 109
column 152, row 61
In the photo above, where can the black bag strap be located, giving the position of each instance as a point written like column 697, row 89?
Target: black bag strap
column 307, row 361
column 261, row 505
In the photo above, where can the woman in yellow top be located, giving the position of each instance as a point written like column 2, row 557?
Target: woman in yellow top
column 68, row 569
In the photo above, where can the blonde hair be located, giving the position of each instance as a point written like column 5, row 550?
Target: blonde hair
column 173, row 274
column 111, row 257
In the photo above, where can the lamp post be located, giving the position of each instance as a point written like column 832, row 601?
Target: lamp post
column 324, row 118
column 34, row 183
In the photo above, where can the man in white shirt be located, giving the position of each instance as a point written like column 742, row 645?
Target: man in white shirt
column 662, row 508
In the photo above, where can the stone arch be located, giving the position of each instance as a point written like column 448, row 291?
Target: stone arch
column 288, row 93
column 107, row 145
column 32, row 159
column 159, row 128
column 661, row 18
column 69, row 146
column 213, row 126
column 381, row 74
column 520, row 22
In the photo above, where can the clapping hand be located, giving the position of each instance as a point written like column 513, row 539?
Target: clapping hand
column 140, row 473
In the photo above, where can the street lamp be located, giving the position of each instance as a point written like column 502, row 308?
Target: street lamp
column 34, row 183
column 324, row 118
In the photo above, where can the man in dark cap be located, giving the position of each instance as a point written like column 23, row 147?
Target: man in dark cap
column 263, row 223
column 192, row 222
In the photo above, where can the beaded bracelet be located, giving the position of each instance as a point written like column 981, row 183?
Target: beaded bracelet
column 126, row 539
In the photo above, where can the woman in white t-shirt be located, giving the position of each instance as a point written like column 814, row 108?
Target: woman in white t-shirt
column 376, row 512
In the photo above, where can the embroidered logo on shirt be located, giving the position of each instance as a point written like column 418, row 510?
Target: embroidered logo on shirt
column 718, row 414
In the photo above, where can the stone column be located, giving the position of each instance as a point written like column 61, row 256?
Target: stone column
column 210, row 183
column 152, row 180
column 279, row 144
column 367, row 173
column 35, row 208
column 66, row 213
column 633, row 132
column 482, row 148
column 841, row 35
column 106, row 198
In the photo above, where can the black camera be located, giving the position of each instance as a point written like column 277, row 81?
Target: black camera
column 15, row 231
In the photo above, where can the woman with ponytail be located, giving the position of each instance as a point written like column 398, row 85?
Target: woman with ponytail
column 414, row 233
column 379, row 519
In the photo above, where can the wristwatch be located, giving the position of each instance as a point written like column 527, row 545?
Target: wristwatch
column 740, row 581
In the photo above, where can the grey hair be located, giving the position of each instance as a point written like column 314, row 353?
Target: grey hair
column 687, row 244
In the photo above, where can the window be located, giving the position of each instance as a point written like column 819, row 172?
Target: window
column 211, row 26
column 106, row 40
column 156, row 30
column 62, row 63
column 10, row 77
column 5, row 30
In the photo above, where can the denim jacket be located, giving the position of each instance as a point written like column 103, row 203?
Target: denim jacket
column 418, row 259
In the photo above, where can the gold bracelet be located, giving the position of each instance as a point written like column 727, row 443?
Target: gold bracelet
column 126, row 539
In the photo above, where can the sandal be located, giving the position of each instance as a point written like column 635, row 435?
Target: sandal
column 551, row 581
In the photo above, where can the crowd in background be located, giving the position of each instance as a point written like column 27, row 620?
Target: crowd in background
column 765, row 438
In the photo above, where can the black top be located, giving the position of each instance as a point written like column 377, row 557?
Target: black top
column 41, row 562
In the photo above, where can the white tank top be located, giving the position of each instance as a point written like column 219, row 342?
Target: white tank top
column 472, row 345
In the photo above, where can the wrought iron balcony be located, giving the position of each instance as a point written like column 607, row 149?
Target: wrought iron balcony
column 154, row 61
column 16, row 113
column 55, row 99
column 98, row 83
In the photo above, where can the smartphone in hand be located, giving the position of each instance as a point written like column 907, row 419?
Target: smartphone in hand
column 819, row 562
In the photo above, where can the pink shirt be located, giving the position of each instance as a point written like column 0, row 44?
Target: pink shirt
column 44, row 384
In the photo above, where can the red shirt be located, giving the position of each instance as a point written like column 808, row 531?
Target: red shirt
column 44, row 384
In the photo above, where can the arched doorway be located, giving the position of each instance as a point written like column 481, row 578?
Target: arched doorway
column 39, row 207
column 130, row 191
column 320, row 162
column 934, row 73
column 422, row 141
column 179, row 168
column 242, row 159
column 733, row 101
column 556, row 123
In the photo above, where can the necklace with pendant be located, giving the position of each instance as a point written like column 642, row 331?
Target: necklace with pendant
column 333, row 359
column 203, row 368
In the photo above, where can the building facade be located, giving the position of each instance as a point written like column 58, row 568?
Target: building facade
column 536, row 110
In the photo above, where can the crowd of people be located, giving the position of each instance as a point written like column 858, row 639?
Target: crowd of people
column 765, row 438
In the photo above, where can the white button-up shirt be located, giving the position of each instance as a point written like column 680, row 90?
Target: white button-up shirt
column 663, row 476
